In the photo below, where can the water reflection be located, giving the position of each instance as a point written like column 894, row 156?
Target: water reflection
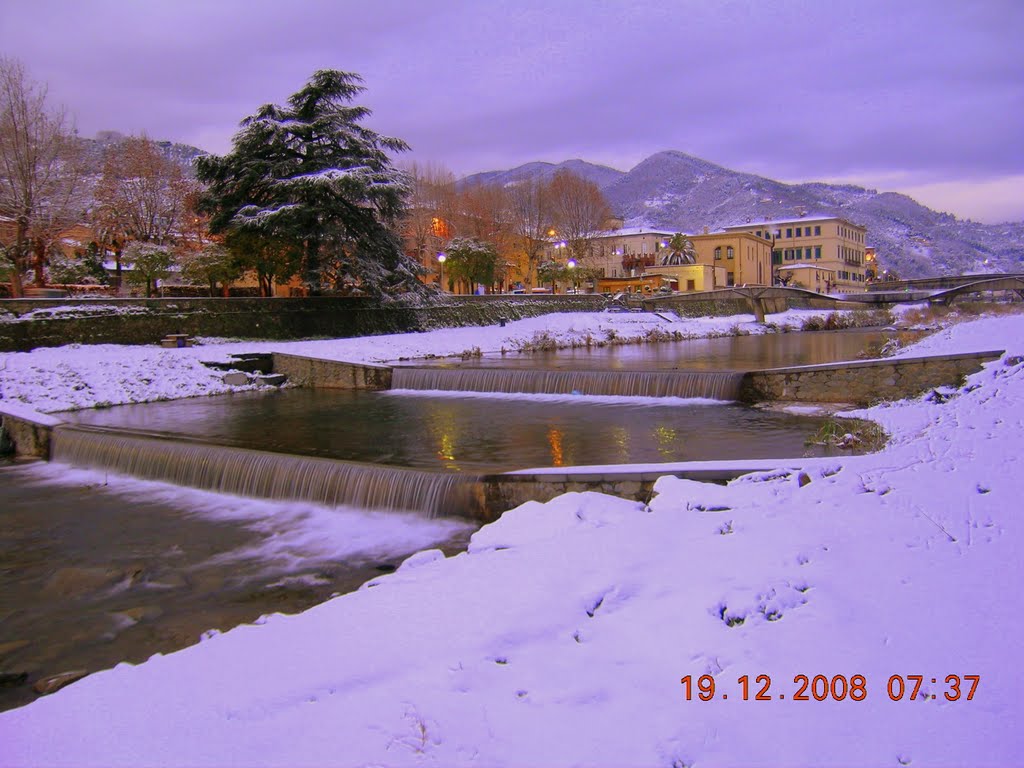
column 470, row 434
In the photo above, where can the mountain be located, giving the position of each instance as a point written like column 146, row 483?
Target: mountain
column 675, row 191
column 601, row 175
column 183, row 154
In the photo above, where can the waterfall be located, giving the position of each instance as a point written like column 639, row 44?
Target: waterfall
column 714, row 385
column 267, row 475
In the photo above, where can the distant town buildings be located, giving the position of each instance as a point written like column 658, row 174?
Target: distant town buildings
column 824, row 254
column 828, row 243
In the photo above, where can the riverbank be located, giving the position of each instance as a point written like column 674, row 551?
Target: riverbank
column 574, row 621
column 53, row 379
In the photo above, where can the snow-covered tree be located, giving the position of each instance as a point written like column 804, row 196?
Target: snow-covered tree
column 150, row 264
column 213, row 266
column 471, row 262
column 309, row 173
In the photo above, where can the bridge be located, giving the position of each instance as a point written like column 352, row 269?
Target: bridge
column 936, row 283
column 761, row 299
column 1014, row 284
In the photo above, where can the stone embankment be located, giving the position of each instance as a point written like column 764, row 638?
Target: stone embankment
column 862, row 382
column 29, row 323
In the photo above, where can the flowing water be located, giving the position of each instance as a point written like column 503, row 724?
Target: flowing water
column 712, row 385
column 261, row 474
column 97, row 569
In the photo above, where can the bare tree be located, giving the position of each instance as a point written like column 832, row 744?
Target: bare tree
column 143, row 196
column 483, row 212
column 579, row 210
column 40, row 172
column 427, row 225
column 530, row 219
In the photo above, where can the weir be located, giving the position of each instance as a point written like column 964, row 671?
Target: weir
column 263, row 474
column 712, row 385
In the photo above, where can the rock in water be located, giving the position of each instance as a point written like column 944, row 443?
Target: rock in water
column 53, row 683
column 236, row 379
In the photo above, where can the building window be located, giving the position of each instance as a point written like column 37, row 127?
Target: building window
column 799, row 232
column 718, row 253
column 730, row 279
column 817, row 251
column 776, row 257
column 691, row 285
column 778, row 234
column 817, row 231
column 807, row 253
column 789, row 232
column 730, row 253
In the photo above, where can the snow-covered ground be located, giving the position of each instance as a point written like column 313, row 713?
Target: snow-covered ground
column 562, row 636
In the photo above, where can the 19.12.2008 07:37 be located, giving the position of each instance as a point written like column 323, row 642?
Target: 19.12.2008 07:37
column 836, row 688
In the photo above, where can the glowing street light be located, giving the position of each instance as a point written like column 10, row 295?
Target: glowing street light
column 442, row 257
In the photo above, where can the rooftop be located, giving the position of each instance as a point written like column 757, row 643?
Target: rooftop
column 799, row 220
column 626, row 231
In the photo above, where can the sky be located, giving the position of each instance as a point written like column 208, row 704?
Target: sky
column 924, row 97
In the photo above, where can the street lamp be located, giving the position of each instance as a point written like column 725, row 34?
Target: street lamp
column 571, row 266
column 558, row 248
column 442, row 257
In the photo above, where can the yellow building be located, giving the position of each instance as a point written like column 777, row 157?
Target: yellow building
column 810, row 277
column 692, row 277
column 746, row 258
column 829, row 242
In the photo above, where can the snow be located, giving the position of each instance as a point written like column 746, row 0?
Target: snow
column 25, row 413
column 561, row 636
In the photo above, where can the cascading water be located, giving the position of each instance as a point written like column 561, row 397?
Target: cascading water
column 713, row 385
column 268, row 475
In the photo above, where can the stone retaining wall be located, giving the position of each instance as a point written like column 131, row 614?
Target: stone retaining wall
column 29, row 323
column 862, row 382
column 507, row 491
column 29, row 433
column 331, row 374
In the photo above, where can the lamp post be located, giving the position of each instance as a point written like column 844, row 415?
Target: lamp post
column 442, row 257
column 571, row 266
column 558, row 248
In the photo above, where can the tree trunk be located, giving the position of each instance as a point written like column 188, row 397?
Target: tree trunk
column 18, row 262
column 39, row 263
column 311, row 276
column 17, row 290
